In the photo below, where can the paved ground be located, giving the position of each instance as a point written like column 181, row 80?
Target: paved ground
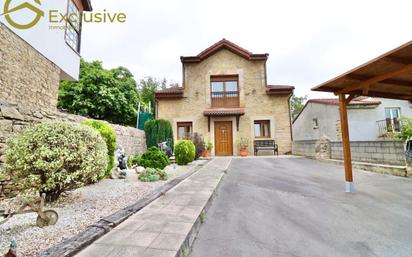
column 297, row 207
column 161, row 228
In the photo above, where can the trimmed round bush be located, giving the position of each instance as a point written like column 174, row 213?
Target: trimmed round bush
column 152, row 175
column 109, row 136
column 152, row 158
column 185, row 152
column 53, row 157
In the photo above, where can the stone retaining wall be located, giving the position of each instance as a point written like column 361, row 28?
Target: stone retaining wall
column 14, row 118
column 379, row 152
column 304, row 148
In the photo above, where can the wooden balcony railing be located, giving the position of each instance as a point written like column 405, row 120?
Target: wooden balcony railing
column 389, row 126
column 228, row 99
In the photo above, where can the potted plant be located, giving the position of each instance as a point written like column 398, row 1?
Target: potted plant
column 244, row 144
column 209, row 147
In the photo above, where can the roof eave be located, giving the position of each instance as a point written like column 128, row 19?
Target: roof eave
column 168, row 95
column 87, row 5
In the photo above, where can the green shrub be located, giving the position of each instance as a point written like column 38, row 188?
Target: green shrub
column 152, row 158
column 53, row 157
column 108, row 134
column 200, row 145
column 130, row 161
column 2, row 175
column 152, row 175
column 184, row 152
column 158, row 131
column 406, row 129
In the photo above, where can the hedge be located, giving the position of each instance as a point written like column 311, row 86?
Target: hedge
column 158, row 131
column 109, row 135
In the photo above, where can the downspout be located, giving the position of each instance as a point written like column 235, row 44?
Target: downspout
column 266, row 77
column 290, row 118
column 156, row 108
column 183, row 75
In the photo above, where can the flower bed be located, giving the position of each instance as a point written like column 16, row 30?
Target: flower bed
column 77, row 210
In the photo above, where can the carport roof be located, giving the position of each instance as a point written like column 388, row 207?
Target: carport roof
column 387, row 76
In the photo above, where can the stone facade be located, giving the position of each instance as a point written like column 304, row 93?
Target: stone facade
column 253, row 98
column 26, row 76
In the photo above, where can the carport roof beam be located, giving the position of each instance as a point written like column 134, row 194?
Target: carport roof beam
column 388, row 76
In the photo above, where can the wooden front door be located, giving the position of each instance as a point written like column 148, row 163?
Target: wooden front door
column 223, row 138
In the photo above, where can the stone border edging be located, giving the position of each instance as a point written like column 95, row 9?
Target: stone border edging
column 74, row 245
column 191, row 236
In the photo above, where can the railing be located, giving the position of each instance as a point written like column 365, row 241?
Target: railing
column 389, row 126
column 225, row 99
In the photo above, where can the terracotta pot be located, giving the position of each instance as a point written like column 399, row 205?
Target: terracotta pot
column 244, row 152
column 206, row 153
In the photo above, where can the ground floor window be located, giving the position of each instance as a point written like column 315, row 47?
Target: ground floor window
column 262, row 128
column 184, row 130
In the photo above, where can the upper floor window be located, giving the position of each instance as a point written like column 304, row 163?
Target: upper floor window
column 225, row 91
column 73, row 26
column 315, row 123
column 262, row 129
column 392, row 116
column 184, row 130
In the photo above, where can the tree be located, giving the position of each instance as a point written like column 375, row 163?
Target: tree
column 297, row 104
column 101, row 94
column 147, row 88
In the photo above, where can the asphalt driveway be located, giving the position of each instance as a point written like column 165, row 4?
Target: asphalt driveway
column 297, row 207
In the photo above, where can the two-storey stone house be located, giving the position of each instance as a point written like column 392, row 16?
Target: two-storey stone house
column 225, row 97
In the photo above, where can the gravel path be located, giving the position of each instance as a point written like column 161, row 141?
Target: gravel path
column 77, row 210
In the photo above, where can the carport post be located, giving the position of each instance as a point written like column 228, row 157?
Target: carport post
column 343, row 102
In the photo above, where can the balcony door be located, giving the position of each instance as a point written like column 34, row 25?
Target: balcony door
column 392, row 119
column 224, row 91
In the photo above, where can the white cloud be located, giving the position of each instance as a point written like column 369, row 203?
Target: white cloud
column 309, row 41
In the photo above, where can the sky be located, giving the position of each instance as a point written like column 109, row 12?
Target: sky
column 309, row 42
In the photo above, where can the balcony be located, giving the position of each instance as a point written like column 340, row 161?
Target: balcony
column 226, row 99
column 389, row 126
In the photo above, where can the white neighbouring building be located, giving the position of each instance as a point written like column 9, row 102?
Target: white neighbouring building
column 370, row 119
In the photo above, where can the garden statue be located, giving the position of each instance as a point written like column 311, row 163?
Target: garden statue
column 166, row 149
column 121, row 163
column 323, row 148
column 408, row 152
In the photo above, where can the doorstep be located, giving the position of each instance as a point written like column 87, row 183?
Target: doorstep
column 166, row 227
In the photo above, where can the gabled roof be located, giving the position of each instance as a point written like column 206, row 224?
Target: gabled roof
column 224, row 44
column 357, row 101
column 87, row 5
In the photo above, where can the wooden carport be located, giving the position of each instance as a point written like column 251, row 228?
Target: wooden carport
column 388, row 76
